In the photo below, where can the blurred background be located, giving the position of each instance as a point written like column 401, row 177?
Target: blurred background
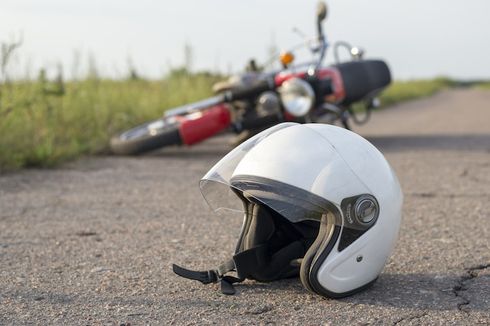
column 420, row 39
column 102, row 66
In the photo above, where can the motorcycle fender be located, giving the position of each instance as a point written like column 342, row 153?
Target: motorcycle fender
column 198, row 126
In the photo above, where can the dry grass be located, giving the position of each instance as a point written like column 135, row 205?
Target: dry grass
column 44, row 123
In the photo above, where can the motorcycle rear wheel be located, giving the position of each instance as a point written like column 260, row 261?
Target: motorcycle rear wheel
column 146, row 137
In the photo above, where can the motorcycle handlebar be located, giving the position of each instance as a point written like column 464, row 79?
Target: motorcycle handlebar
column 261, row 122
column 229, row 96
column 255, row 89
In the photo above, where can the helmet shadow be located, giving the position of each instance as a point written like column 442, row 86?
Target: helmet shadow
column 414, row 291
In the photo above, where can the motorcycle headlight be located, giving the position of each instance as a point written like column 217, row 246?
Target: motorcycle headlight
column 297, row 96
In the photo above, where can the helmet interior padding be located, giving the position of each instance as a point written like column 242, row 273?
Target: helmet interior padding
column 285, row 241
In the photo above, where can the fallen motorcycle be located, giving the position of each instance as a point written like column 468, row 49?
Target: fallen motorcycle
column 255, row 100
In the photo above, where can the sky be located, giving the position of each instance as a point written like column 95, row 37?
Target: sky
column 418, row 38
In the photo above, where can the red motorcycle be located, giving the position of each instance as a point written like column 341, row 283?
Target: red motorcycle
column 254, row 101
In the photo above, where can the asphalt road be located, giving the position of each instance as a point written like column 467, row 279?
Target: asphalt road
column 93, row 241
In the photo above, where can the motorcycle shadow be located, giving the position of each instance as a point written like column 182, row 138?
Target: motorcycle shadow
column 462, row 142
column 221, row 145
column 211, row 148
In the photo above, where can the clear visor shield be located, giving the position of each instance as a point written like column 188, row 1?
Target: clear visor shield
column 225, row 191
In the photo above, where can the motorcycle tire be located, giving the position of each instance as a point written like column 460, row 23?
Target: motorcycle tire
column 146, row 137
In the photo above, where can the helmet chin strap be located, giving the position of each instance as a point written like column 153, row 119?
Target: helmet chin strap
column 267, row 246
column 244, row 263
column 210, row 276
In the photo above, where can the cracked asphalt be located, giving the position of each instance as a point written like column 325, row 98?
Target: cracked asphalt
column 92, row 242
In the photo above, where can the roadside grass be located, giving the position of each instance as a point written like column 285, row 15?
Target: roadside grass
column 43, row 123
column 401, row 91
column 484, row 85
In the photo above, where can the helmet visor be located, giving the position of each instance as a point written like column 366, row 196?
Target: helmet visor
column 293, row 203
column 227, row 185
column 216, row 188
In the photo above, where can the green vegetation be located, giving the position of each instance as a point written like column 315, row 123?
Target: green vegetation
column 45, row 122
column 484, row 85
column 401, row 91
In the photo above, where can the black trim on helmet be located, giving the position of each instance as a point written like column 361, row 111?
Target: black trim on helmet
column 315, row 284
column 268, row 191
column 323, row 240
column 253, row 186
column 354, row 227
column 284, row 224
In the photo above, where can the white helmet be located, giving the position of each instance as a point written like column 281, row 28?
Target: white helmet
column 318, row 200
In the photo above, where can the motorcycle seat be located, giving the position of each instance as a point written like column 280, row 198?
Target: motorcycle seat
column 363, row 79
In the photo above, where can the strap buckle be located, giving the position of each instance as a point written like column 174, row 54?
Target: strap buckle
column 211, row 276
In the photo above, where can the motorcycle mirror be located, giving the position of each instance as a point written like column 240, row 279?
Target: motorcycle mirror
column 321, row 11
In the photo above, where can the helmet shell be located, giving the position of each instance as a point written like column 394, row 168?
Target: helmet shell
column 335, row 164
